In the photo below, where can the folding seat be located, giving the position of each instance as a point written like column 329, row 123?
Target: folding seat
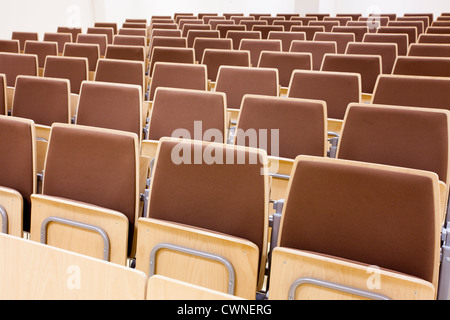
column 93, row 279
column 189, row 27
column 130, row 40
column 430, row 16
column 285, row 63
column 224, row 28
column 215, row 22
column 168, row 26
column 184, row 21
column 341, row 39
column 438, row 30
column 359, row 32
column 125, row 52
column 13, row 65
column 41, row 49
column 337, row 89
column 353, row 16
column 419, row 25
column 178, row 75
column 60, row 38
column 411, row 32
column 201, row 44
column 271, row 20
column 325, row 249
column 23, row 37
column 109, row 32
column 287, row 25
column 100, row 39
column 328, row 25
column 318, row 49
column 310, row 31
column 434, row 38
column 318, row 16
column 236, row 82
column 287, row 127
column 422, row 66
column 414, row 91
column 10, row 46
column 181, row 232
column 166, row 41
column 112, row 106
column 239, row 19
column 249, row 24
column 182, row 15
column 342, row 20
column 389, row 16
column 288, row 16
column 258, row 16
column 400, row 39
column 112, row 25
column 376, row 20
column 286, row 38
column 194, row 34
column 202, row 15
column 133, row 32
column 368, row 66
column 92, row 213
column 426, row 20
column 376, row 133
column 256, row 46
column 371, row 26
column 45, row 101
column 88, row 51
column 74, row 31
column 135, row 25
column 267, row 29
column 387, row 52
column 214, row 58
column 18, row 177
column 171, row 54
column 76, row 70
column 429, row 50
column 229, row 15
column 236, row 36
column 441, row 24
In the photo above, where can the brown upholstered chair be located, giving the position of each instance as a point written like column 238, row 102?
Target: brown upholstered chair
column 214, row 22
column 11, row 46
column 108, row 31
column 41, row 49
column 133, row 32
column 288, row 16
column 214, row 58
column 287, row 24
column 100, row 39
column 342, row 20
column 249, row 24
column 125, row 52
column 23, row 37
column 416, row 24
column 3, row 98
column 341, row 39
column 112, row 25
column 167, row 41
column 318, row 49
column 184, row 22
column 310, row 31
column 171, row 54
column 188, row 27
column 438, row 30
column 368, row 66
column 130, row 40
column 266, row 29
column 429, row 50
column 434, row 38
column 286, row 38
column 353, row 16
column 165, row 33
column 441, row 24
column 92, row 207
column 328, row 25
column 195, row 217
column 358, row 31
column 224, row 28
column 410, row 137
column 328, row 245
column 400, row 39
column 414, row 91
column 201, row 44
column 425, row 20
column 305, row 20
column 18, row 178
column 112, row 106
column 236, row 36
column 410, row 31
column 256, row 46
column 286, row 63
column 60, row 38
column 73, row 31
column 337, row 89
column 387, row 51
column 371, row 26
column 135, row 25
column 422, row 66
column 194, row 34
column 82, row 50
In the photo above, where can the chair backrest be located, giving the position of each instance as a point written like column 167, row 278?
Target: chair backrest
column 100, row 39
column 425, row 20
column 318, row 16
column 371, row 25
column 416, row 91
column 108, row 161
column 429, row 50
column 165, row 33
column 256, row 46
column 76, row 70
column 125, row 52
column 171, row 54
column 13, row 64
column 287, row 25
column 368, row 66
column 400, row 39
column 318, row 49
column 59, row 38
column 286, row 63
column 286, row 38
column 112, row 25
column 310, row 31
column 337, row 89
column 201, row 44
column 189, row 27
column 342, row 20
column 434, row 38
column 41, row 49
column 236, row 36
column 416, row 24
column 190, row 113
column 293, row 126
column 422, row 66
column 341, row 39
column 111, row 105
column 43, row 100
column 18, row 145
column 438, row 30
column 358, row 31
column 214, row 58
column 133, row 32
column 224, row 28
column 23, row 37
column 108, row 31
column 266, row 29
column 350, row 222
column 410, row 137
column 165, row 41
column 194, row 34
column 82, row 50
column 3, row 100
column 121, row 71
column 387, row 51
column 11, row 46
column 235, row 82
column 73, row 31
column 328, row 25
column 411, row 32
column 178, row 75
column 130, row 40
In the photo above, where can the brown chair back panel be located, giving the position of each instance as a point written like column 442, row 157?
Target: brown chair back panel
column 11, row 46
column 120, row 71
column 341, row 39
column 256, row 46
column 422, row 66
column 400, row 39
column 171, row 54
column 23, row 37
column 13, row 65
column 387, row 51
column 125, row 52
column 318, row 49
column 100, row 39
column 429, row 50
column 76, row 70
column 41, row 49
column 81, row 50
column 434, row 38
column 201, row 44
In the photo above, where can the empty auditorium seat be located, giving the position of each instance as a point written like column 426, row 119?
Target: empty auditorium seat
column 419, row 25
column 256, row 46
column 73, row 31
column 11, row 46
column 112, row 25
column 328, row 25
column 130, row 40
column 41, row 49
column 100, row 39
column 341, row 39
column 358, row 31
column 108, row 31
column 434, row 38
column 82, row 50
column 400, row 39
column 60, row 38
column 23, row 37
column 266, row 29
column 422, row 66
column 387, row 51
column 236, row 36
column 171, row 54
column 201, row 44
column 286, row 38
column 318, row 49
column 438, row 30
column 429, row 50
column 411, row 32
column 214, row 58
column 310, row 31
column 194, row 34
column 125, row 52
